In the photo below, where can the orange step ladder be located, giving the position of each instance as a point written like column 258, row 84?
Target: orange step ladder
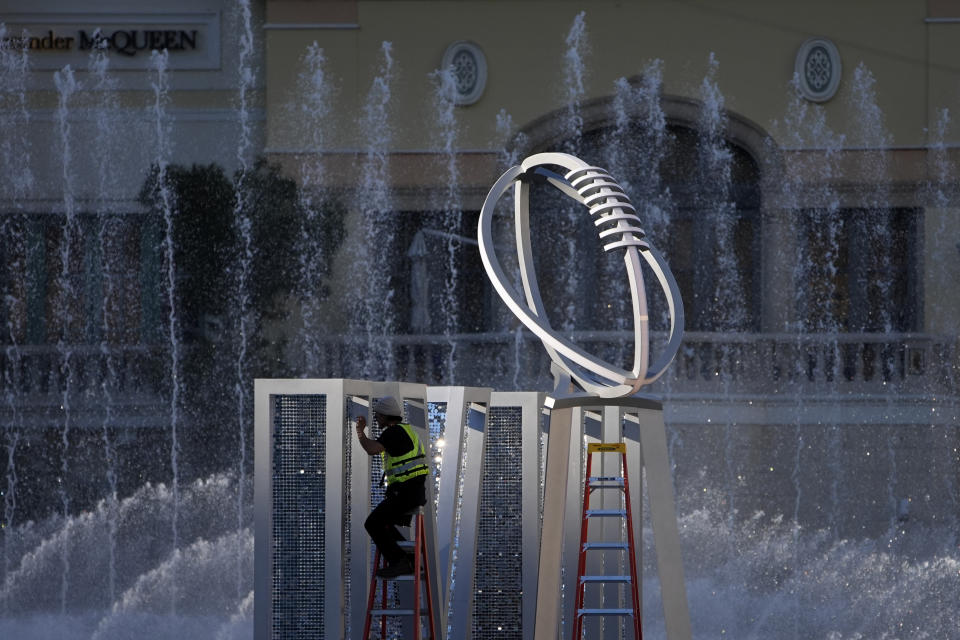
column 419, row 577
column 592, row 484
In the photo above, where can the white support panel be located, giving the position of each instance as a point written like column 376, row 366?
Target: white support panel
column 415, row 404
column 631, row 436
column 413, row 401
column 342, row 409
column 263, row 510
column 461, row 603
column 359, row 500
column 453, row 428
column 456, row 434
column 663, row 516
column 572, row 519
column 333, row 512
column 551, row 544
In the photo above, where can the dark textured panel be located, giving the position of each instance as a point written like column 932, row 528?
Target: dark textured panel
column 299, row 444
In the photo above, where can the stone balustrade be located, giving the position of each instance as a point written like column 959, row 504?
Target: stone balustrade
column 919, row 370
column 42, row 384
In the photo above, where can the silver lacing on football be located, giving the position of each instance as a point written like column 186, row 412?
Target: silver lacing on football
column 609, row 205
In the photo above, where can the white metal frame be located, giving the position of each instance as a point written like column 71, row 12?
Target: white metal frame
column 544, row 551
column 464, row 431
column 346, row 400
column 603, row 384
column 639, row 420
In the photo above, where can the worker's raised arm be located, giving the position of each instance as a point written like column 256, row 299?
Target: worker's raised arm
column 370, row 446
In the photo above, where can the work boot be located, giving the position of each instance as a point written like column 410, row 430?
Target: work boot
column 401, row 567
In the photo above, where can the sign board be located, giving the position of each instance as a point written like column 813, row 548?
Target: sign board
column 54, row 41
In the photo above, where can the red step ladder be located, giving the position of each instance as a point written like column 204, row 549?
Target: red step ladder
column 618, row 483
column 420, row 575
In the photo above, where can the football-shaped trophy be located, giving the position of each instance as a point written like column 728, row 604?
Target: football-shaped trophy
column 618, row 225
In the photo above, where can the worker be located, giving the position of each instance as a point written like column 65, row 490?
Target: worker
column 406, row 471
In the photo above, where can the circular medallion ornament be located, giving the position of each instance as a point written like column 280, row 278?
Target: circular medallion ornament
column 469, row 67
column 818, row 69
column 619, row 227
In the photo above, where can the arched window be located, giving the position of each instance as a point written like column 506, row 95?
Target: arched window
column 699, row 200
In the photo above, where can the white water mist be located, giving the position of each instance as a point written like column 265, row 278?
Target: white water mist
column 447, row 132
column 66, row 85
column 375, row 206
column 311, row 108
column 245, row 313
column 106, row 117
column 165, row 202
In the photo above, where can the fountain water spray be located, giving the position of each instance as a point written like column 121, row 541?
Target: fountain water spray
column 105, row 86
column 636, row 147
column 241, row 215
column 161, row 91
column 375, row 204
column 574, row 82
column 713, row 179
column 10, row 493
column 206, row 514
column 238, row 625
column 444, row 114
column 871, row 135
column 818, row 233
column 313, row 106
column 617, row 158
column 574, row 91
column 14, row 119
column 17, row 180
column 66, row 86
column 509, row 145
column 202, row 602
column 943, row 172
column 640, row 104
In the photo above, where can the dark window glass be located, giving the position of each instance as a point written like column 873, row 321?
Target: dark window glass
column 858, row 270
column 700, row 208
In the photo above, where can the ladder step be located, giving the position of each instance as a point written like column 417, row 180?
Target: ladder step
column 605, row 612
column 605, row 545
column 604, row 578
column 604, row 447
column 594, row 513
column 377, row 608
column 407, row 577
column 395, row 612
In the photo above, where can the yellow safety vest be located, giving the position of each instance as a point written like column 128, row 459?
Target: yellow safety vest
column 409, row 465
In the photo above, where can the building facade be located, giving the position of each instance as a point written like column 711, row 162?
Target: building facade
column 795, row 162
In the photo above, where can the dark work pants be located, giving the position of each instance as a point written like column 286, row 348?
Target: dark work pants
column 401, row 500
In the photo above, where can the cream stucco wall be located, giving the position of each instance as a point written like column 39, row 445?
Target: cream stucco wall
column 912, row 60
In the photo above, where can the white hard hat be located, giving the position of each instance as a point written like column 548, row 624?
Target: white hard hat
column 388, row 406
